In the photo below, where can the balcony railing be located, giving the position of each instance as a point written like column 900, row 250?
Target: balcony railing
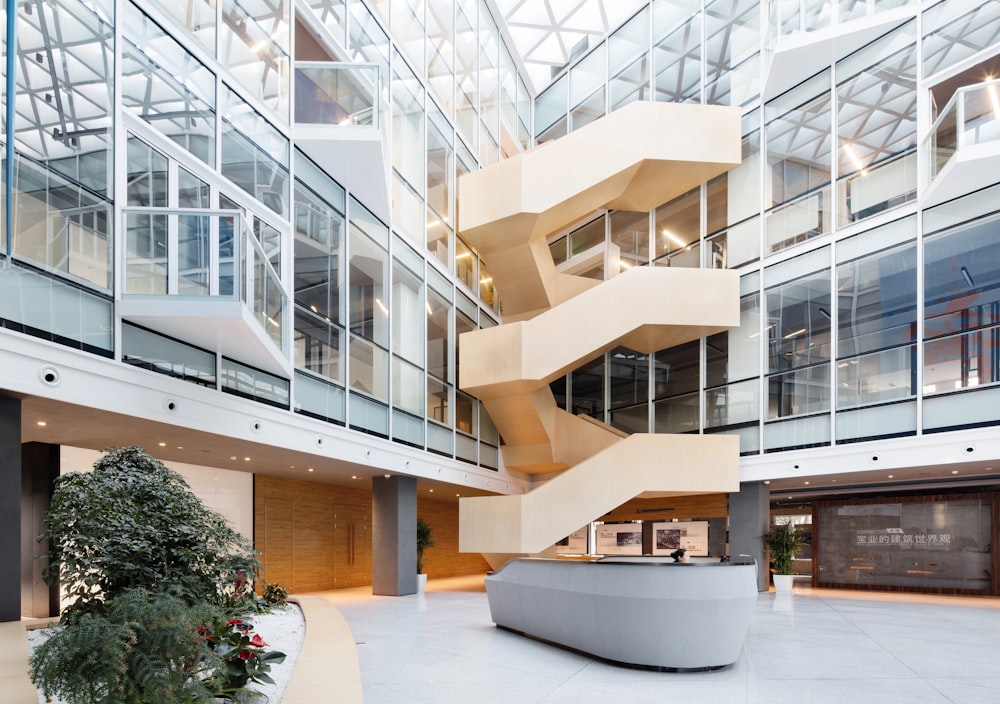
column 328, row 93
column 201, row 255
column 971, row 117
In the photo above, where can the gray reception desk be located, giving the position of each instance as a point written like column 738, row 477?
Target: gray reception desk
column 643, row 612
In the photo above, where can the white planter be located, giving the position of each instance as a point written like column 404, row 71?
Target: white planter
column 421, row 583
column 783, row 583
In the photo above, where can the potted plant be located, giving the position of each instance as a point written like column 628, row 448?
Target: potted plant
column 425, row 539
column 782, row 542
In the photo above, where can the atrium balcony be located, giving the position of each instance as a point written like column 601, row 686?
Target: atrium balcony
column 200, row 276
column 805, row 36
column 963, row 145
column 339, row 124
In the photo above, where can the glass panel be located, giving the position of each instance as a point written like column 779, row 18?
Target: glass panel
column 241, row 380
column 369, row 416
column 65, row 81
column 440, row 53
column 63, row 227
column 487, row 291
column 628, row 377
column 369, row 369
column 799, row 392
column 587, row 387
column 962, row 279
column 733, row 404
column 877, row 125
column 588, row 111
column 319, row 399
column 319, row 251
column 551, row 105
column 734, row 196
column 318, row 345
column 953, row 32
column 961, row 410
column 438, row 401
column 677, row 415
column 587, row 75
column 407, row 428
column 677, row 63
column 466, row 416
column 876, row 301
column 879, row 377
column 153, row 90
column 629, row 42
column 407, row 387
column 145, row 349
column 254, row 155
column 196, row 16
column 812, row 431
column 798, row 322
column 586, row 237
column 630, row 84
column 962, row 361
column 408, row 151
column 631, row 420
column 408, row 314
column 732, row 57
column 893, row 420
column 629, row 239
column 336, row 94
column 440, row 167
column 675, row 370
column 438, row 340
column 678, row 223
column 369, row 313
column 798, row 159
column 256, row 49
column 466, row 264
column 735, row 354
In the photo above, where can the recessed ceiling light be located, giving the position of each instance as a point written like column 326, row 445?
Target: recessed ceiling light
column 232, row 457
column 180, row 447
column 806, row 482
column 431, row 490
column 954, row 471
column 354, row 476
column 457, row 494
column 163, row 444
column 246, row 459
column 789, row 497
column 890, row 476
column 311, row 469
column 291, row 466
column 387, row 475
column 834, row 481
column 42, row 423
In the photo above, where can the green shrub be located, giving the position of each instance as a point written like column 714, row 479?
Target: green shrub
column 132, row 523
column 144, row 648
column 275, row 595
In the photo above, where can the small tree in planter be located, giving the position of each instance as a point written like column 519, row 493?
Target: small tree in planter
column 425, row 539
column 782, row 542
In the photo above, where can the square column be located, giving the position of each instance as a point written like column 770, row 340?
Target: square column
column 10, row 509
column 394, row 536
column 749, row 518
column 39, row 471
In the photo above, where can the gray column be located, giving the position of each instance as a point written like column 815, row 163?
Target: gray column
column 10, row 509
column 394, row 536
column 749, row 517
column 39, row 469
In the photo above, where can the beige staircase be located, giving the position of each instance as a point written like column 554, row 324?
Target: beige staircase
column 635, row 159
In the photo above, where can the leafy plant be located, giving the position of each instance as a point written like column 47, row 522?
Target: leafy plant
column 242, row 652
column 133, row 522
column 782, row 542
column 425, row 539
column 144, row 648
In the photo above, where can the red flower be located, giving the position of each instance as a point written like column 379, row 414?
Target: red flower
column 233, row 622
column 257, row 641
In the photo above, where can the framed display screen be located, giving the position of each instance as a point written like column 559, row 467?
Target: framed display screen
column 690, row 535
column 933, row 543
column 619, row 539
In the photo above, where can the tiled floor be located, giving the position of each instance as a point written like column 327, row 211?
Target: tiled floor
column 814, row 646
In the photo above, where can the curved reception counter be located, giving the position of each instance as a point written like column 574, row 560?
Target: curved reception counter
column 642, row 612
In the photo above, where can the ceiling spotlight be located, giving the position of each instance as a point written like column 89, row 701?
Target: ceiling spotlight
column 246, row 459
column 311, row 469
column 431, row 490
column 890, row 476
column 805, row 482
column 42, row 424
column 386, row 475
column 232, row 457
column 354, row 476
column 163, row 444
column 954, row 471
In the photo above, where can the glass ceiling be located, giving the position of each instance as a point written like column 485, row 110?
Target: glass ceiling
column 548, row 34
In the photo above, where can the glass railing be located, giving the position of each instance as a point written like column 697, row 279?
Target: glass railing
column 203, row 253
column 790, row 17
column 972, row 116
column 330, row 93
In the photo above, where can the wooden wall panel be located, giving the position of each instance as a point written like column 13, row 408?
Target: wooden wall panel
column 317, row 536
column 665, row 509
column 444, row 559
